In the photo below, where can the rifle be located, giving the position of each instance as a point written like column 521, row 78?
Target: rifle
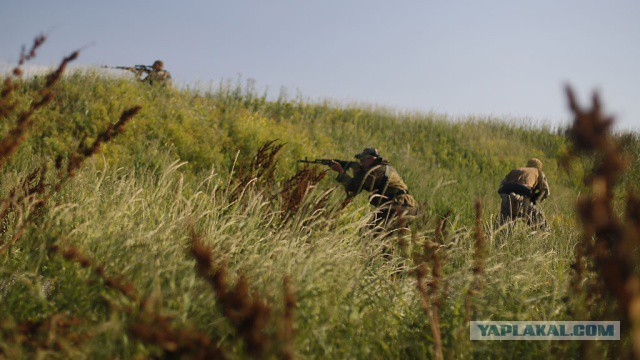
column 344, row 163
column 135, row 68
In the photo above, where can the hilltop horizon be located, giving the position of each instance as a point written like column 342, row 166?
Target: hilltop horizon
column 525, row 121
column 458, row 58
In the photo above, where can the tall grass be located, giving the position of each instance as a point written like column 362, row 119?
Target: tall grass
column 196, row 211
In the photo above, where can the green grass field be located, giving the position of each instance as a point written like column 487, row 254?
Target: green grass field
column 176, row 174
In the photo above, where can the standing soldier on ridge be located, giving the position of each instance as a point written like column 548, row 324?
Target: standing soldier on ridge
column 521, row 190
column 388, row 192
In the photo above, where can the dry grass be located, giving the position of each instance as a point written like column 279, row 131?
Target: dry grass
column 287, row 333
column 248, row 313
column 296, row 188
column 608, row 246
column 432, row 293
column 155, row 329
column 36, row 193
column 261, row 169
column 113, row 282
column 9, row 144
column 55, row 333
column 479, row 257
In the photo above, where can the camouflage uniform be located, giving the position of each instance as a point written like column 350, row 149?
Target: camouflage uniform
column 389, row 193
column 158, row 76
column 520, row 191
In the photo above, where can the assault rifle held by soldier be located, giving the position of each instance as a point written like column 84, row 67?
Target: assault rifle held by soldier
column 343, row 163
column 136, row 68
column 395, row 207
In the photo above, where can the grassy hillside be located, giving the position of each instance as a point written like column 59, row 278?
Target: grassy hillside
column 181, row 173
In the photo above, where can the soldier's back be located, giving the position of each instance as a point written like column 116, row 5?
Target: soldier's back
column 523, row 176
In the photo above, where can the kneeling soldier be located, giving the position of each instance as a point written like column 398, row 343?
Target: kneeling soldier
column 389, row 193
column 521, row 190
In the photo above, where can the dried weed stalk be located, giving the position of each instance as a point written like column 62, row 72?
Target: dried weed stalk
column 610, row 242
column 263, row 164
column 296, row 188
column 432, row 290
column 479, row 257
column 287, row 334
column 176, row 343
column 7, row 105
column 248, row 314
column 117, row 283
column 31, row 187
column 84, row 152
column 56, row 332
column 148, row 325
column 75, row 161
column 9, row 144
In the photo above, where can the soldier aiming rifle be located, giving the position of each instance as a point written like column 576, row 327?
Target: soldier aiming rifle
column 389, row 194
column 154, row 74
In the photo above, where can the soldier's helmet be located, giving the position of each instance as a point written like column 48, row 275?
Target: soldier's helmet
column 370, row 151
column 534, row 163
column 158, row 65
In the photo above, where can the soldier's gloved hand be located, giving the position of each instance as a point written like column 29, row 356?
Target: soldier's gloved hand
column 336, row 167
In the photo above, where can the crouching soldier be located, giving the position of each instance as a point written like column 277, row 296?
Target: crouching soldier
column 521, row 192
column 389, row 194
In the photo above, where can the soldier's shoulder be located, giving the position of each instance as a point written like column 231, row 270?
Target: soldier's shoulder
column 525, row 170
column 382, row 169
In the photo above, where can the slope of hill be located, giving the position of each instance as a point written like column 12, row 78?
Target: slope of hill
column 180, row 174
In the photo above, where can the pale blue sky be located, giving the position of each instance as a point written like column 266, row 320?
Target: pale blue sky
column 488, row 58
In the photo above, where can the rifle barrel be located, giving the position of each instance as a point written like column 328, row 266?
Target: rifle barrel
column 130, row 68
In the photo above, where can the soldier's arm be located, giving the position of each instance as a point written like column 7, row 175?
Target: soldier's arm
column 545, row 187
column 145, row 76
column 343, row 178
column 504, row 181
column 360, row 181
